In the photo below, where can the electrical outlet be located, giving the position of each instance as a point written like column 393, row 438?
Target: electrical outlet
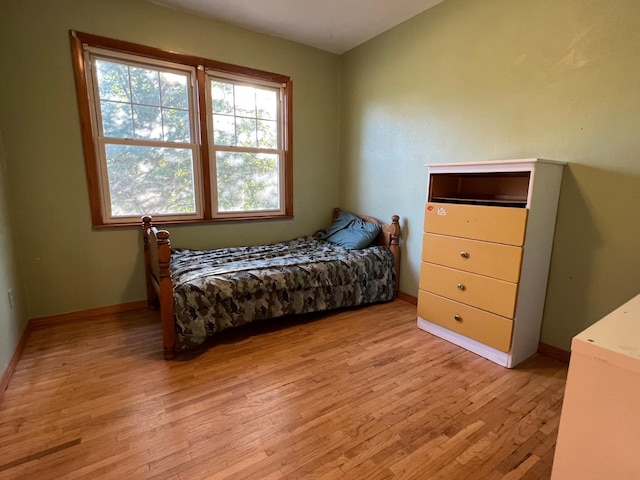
column 12, row 299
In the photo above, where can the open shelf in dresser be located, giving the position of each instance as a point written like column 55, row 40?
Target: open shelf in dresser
column 501, row 189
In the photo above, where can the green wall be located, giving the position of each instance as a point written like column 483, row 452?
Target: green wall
column 12, row 315
column 65, row 265
column 473, row 80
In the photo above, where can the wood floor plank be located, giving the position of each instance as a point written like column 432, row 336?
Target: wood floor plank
column 359, row 393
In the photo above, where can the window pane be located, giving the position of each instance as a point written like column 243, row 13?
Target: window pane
column 145, row 86
column 224, row 130
column 151, row 180
column 247, row 182
column 117, row 120
column 174, row 90
column 222, row 97
column 142, row 115
column 245, row 101
column 246, row 132
column 267, row 134
column 113, row 81
column 147, row 122
column 175, row 125
column 267, row 103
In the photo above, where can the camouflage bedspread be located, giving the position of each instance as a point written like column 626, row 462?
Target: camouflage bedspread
column 229, row 287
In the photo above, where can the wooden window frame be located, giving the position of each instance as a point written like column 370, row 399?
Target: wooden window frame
column 99, row 218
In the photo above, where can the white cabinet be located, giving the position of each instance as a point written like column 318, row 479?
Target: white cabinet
column 488, row 233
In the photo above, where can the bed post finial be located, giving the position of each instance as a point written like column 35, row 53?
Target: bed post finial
column 146, row 225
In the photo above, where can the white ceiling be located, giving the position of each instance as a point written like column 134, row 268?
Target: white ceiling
column 333, row 25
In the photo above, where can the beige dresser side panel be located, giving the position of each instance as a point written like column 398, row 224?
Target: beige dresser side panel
column 598, row 436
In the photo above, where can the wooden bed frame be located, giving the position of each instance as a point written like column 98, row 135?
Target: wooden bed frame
column 157, row 257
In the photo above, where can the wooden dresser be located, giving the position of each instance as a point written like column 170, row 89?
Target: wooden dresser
column 488, row 233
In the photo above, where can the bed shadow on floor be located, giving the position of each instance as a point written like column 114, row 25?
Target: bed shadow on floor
column 242, row 334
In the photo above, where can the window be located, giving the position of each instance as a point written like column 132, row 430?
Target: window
column 246, row 144
column 144, row 133
column 182, row 138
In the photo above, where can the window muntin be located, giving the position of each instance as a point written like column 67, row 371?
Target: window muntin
column 246, row 150
column 142, row 125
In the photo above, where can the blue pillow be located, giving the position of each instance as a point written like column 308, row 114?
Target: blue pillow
column 350, row 231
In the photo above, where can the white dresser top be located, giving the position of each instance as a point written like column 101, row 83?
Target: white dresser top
column 615, row 338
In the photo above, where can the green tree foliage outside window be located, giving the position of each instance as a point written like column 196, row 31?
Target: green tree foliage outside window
column 150, row 179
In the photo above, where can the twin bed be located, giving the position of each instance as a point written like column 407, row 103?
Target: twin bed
column 201, row 292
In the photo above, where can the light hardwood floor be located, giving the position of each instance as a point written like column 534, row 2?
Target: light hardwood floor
column 358, row 394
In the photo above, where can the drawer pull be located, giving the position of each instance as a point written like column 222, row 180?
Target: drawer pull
column 464, row 254
column 461, row 287
column 457, row 318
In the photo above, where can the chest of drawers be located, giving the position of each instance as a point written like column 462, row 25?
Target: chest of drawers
column 488, row 233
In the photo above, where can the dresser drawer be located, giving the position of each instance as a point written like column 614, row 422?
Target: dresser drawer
column 492, row 224
column 491, row 259
column 486, row 293
column 486, row 328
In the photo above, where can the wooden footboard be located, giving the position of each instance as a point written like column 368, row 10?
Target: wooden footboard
column 157, row 257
